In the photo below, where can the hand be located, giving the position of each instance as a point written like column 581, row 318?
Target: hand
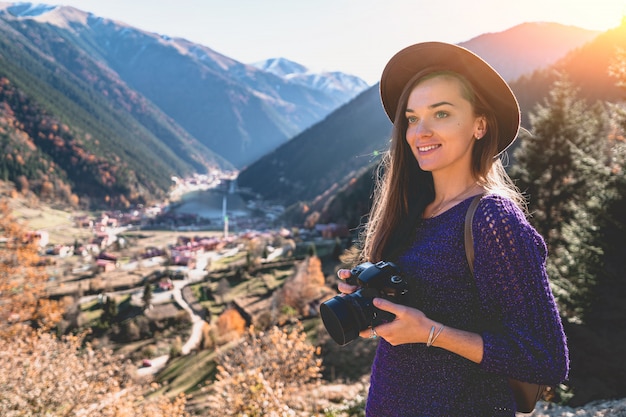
column 343, row 286
column 410, row 325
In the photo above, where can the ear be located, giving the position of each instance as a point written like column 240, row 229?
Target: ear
column 480, row 127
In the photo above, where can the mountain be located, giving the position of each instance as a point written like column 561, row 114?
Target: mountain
column 326, row 157
column 322, row 156
column 136, row 108
column 236, row 110
column 586, row 67
column 538, row 44
column 344, row 86
column 71, row 122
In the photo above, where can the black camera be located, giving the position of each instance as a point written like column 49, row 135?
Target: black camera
column 345, row 315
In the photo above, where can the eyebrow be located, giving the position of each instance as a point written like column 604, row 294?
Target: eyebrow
column 433, row 106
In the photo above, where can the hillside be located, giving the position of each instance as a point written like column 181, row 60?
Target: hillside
column 237, row 111
column 325, row 157
column 538, row 43
column 587, row 67
column 96, row 112
column 71, row 123
column 59, row 127
column 317, row 159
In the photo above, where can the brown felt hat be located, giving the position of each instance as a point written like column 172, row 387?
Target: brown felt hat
column 439, row 56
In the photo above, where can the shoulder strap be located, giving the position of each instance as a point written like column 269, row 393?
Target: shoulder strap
column 469, row 237
column 526, row 394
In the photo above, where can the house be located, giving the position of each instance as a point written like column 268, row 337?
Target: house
column 40, row 237
column 105, row 265
column 166, row 285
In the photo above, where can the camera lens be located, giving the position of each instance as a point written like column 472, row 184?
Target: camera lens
column 343, row 318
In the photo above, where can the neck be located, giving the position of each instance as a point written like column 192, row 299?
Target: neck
column 450, row 193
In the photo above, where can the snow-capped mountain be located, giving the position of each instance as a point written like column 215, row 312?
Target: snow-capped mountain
column 239, row 111
column 336, row 83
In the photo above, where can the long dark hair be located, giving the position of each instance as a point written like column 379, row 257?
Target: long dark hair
column 403, row 189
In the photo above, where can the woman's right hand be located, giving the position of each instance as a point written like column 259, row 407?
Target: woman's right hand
column 343, row 286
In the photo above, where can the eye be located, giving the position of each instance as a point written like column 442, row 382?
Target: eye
column 411, row 119
column 441, row 114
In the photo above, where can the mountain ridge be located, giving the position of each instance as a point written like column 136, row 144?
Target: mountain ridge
column 211, row 96
column 329, row 136
column 104, row 73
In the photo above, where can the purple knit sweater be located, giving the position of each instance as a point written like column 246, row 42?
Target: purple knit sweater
column 508, row 302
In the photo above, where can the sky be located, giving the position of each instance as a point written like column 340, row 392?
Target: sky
column 353, row 36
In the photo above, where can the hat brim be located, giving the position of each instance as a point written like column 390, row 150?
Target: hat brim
column 443, row 56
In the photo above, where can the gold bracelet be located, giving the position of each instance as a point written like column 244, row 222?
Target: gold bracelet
column 431, row 338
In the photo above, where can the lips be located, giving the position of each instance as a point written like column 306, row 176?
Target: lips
column 427, row 148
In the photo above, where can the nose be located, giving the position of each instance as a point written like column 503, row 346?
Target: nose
column 418, row 129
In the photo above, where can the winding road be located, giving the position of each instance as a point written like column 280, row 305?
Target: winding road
column 193, row 275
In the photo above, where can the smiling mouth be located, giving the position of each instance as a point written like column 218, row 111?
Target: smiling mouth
column 427, row 148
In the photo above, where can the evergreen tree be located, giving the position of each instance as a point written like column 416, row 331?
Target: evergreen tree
column 147, row 295
column 609, row 308
column 560, row 167
column 109, row 312
column 573, row 169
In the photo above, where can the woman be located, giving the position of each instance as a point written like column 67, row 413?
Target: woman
column 452, row 350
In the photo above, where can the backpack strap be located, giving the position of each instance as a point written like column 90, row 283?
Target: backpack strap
column 526, row 394
column 469, row 236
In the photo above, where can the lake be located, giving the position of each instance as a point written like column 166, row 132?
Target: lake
column 209, row 204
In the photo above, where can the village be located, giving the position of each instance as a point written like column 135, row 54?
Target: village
column 187, row 265
column 195, row 240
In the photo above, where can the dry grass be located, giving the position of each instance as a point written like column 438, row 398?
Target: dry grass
column 58, row 223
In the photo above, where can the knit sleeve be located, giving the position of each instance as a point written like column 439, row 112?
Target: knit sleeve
column 509, row 267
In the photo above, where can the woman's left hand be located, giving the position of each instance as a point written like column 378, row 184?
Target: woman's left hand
column 410, row 325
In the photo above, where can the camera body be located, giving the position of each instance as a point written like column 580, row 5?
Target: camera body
column 345, row 315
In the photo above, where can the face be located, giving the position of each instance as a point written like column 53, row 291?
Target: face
column 442, row 127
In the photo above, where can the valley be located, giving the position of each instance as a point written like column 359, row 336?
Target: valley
column 206, row 283
column 144, row 166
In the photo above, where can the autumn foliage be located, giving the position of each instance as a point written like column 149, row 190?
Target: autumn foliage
column 306, row 286
column 41, row 375
column 267, row 374
column 230, row 325
column 22, row 282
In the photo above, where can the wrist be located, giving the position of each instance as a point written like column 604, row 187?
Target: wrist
column 435, row 331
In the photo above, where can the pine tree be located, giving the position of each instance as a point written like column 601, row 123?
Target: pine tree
column 109, row 312
column 560, row 167
column 609, row 308
column 573, row 169
column 147, row 295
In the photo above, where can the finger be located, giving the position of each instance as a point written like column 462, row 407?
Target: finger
column 346, row 288
column 344, row 274
column 389, row 306
column 370, row 333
